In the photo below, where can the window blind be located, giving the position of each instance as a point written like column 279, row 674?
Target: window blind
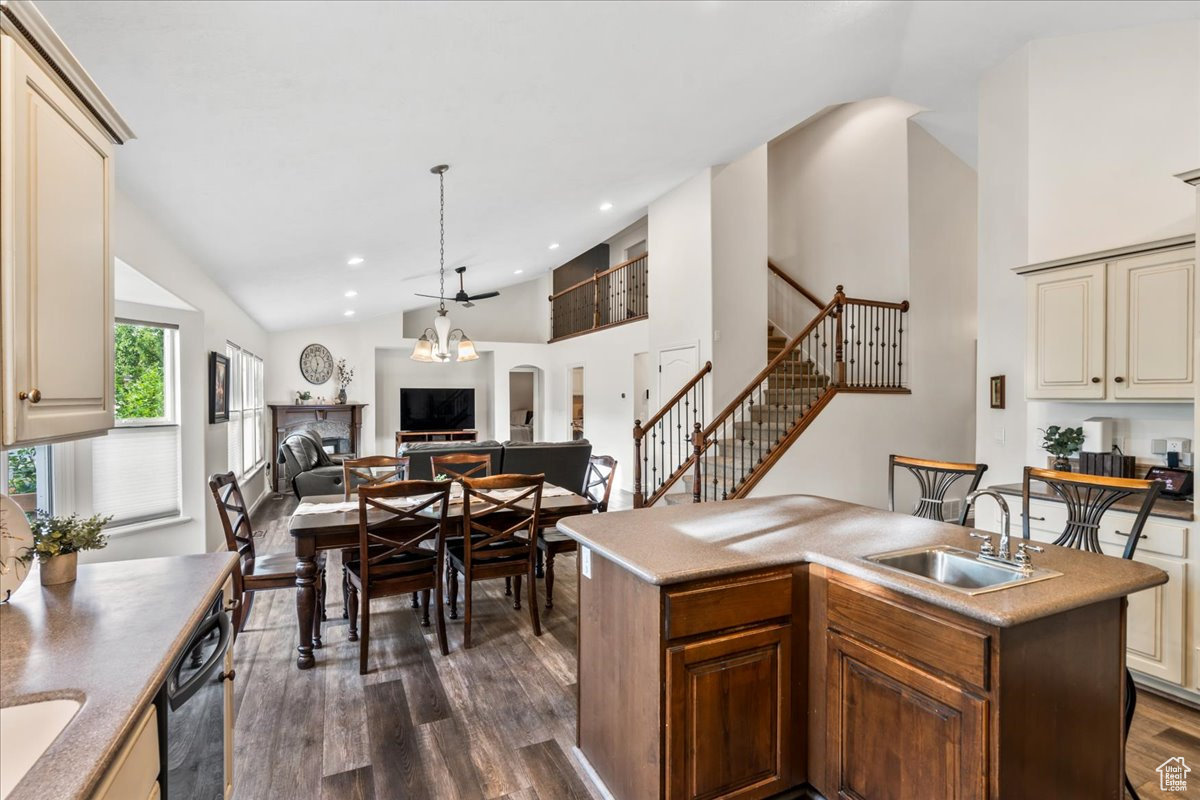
column 135, row 474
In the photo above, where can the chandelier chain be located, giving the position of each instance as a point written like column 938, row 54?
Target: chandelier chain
column 442, row 242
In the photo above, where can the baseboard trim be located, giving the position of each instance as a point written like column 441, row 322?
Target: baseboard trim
column 590, row 771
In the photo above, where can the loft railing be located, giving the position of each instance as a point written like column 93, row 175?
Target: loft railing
column 852, row 345
column 612, row 297
column 665, row 440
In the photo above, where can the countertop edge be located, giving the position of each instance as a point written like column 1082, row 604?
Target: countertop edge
column 24, row 789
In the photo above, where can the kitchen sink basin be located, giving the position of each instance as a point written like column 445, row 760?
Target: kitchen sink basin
column 27, row 731
column 958, row 569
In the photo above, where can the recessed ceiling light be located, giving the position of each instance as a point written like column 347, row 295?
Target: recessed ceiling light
column 554, row 246
column 355, row 261
column 517, row 271
column 350, row 312
column 606, row 206
column 351, row 293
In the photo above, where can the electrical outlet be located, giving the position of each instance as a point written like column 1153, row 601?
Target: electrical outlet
column 1179, row 445
column 585, row 561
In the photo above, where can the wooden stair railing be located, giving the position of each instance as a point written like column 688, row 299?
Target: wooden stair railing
column 790, row 281
column 852, row 345
column 610, row 297
column 670, row 434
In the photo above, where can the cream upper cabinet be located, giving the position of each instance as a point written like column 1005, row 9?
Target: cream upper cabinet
column 1153, row 322
column 1118, row 328
column 56, row 274
column 1065, row 335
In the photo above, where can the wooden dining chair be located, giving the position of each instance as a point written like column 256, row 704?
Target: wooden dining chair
column 256, row 572
column 390, row 535
column 366, row 471
column 935, row 479
column 601, row 474
column 1088, row 498
column 461, row 465
column 499, row 542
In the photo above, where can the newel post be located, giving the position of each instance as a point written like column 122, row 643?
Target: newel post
column 638, row 498
column 839, row 300
column 595, row 301
column 697, row 449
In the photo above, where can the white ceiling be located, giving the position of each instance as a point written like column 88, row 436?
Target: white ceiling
column 277, row 139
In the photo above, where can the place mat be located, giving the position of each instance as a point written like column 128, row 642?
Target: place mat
column 405, row 503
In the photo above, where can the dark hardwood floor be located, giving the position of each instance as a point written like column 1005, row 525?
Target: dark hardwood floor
column 496, row 721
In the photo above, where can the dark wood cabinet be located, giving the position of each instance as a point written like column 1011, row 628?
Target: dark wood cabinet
column 728, row 715
column 897, row 732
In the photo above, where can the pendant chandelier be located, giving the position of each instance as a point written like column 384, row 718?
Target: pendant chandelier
column 441, row 343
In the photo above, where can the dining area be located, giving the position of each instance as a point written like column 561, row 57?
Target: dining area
column 433, row 542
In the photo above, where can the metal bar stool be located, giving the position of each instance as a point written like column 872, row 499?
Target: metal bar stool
column 935, row 479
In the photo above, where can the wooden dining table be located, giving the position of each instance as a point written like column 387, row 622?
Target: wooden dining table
column 337, row 529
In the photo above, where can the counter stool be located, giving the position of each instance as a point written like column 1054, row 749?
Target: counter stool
column 935, row 479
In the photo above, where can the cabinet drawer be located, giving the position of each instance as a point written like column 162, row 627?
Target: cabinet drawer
column 955, row 651
column 1045, row 517
column 717, row 605
column 1157, row 537
column 134, row 772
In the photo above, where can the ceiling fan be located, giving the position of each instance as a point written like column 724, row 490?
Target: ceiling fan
column 461, row 296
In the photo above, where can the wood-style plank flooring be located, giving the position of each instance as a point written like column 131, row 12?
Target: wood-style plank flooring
column 496, row 721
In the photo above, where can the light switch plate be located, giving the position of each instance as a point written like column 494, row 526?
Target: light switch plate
column 585, row 561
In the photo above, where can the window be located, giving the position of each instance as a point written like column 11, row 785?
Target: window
column 246, row 410
column 135, row 468
column 25, row 474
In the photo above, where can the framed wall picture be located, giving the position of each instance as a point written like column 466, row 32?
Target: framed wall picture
column 218, row 388
column 997, row 391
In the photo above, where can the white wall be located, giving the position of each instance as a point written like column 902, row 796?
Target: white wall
column 739, row 273
column 141, row 242
column 520, row 314
column 1079, row 139
column 863, row 192
column 395, row 371
column 618, row 244
column 838, row 200
column 681, row 269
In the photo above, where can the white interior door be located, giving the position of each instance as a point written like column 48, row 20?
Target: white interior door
column 676, row 366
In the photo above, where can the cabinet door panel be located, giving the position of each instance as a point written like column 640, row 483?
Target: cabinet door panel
column 58, row 270
column 1066, row 332
column 1152, row 326
column 729, row 705
column 1156, row 622
column 898, row 733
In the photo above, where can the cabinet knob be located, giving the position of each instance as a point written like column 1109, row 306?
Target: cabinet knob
column 1119, row 379
column 33, row 396
column 1095, row 380
column 227, row 676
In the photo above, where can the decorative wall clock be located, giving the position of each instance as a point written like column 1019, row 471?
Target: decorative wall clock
column 316, row 364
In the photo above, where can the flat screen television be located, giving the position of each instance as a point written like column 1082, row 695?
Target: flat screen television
column 437, row 409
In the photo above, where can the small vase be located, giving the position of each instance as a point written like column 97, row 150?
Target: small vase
column 341, row 397
column 1062, row 464
column 59, row 569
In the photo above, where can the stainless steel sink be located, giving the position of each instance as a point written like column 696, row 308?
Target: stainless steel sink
column 959, row 569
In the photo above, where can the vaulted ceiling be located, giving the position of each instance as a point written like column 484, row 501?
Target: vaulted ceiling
column 279, row 139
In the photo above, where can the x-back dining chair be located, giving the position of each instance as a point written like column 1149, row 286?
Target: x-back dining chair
column 598, row 484
column 366, row 471
column 1088, row 498
column 935, row 479
column 461, row 465
column 255, row 572
column 500, row 541
column 391, row 530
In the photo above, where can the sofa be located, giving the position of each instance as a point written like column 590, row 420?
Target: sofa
column 308, row 467
column 565, row 464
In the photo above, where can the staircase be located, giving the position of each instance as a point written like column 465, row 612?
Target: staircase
column 851, row 345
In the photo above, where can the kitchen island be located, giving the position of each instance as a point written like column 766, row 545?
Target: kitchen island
column 745, row 648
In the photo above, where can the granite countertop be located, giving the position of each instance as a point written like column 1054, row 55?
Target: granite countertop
column 1163, row 506
column 106, row 640
column 671, row 544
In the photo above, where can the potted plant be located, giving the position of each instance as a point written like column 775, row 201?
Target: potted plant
column 1062, row 443
column 57, row 542
column 345, row 375
column 303, row 397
